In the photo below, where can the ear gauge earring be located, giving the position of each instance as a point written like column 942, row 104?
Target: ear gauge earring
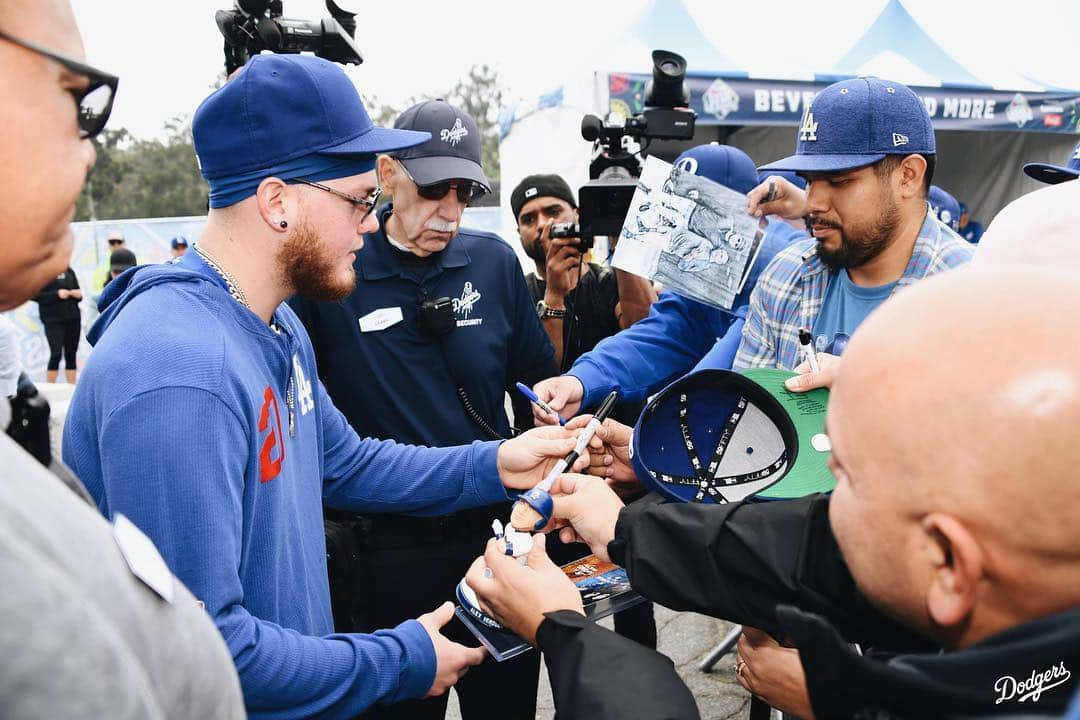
column 283, row 224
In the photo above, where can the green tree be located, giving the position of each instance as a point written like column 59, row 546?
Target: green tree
column 160, row 178
column 144, row 178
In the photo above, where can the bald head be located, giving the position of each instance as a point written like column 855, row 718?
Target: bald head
column 1040, row 228
column 953, row 422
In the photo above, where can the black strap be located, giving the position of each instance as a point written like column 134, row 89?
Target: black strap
column 463, row 396
column 709, row 481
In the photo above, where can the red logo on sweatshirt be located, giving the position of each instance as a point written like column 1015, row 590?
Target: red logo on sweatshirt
column 270, row 468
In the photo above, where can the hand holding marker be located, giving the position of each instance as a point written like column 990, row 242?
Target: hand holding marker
column 527, row 392
column 807, row 342
column 533, row 509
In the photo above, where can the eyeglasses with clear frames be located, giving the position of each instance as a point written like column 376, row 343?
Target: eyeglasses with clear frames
column 369, row 202
column 94, row 102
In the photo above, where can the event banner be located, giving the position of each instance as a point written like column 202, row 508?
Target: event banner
column 748, row 101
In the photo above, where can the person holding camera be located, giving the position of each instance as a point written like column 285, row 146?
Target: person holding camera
column 92, row 623
column 579, row 303
column 436, row 328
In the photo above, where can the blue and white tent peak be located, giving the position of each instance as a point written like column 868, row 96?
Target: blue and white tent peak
column 668, row 25
column 897, row 47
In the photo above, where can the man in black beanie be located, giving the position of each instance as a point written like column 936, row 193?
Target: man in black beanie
column 579, row 304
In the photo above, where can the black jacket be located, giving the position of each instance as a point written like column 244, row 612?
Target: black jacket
column 53, row 309
column 776, row 566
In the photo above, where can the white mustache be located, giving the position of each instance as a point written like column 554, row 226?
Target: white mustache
column 441, row 225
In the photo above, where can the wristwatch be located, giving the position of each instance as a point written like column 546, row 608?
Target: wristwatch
column 549, row 312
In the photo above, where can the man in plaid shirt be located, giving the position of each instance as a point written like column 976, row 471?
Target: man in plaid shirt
column 866, row 147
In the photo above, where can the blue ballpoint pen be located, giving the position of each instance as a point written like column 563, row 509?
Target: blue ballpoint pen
column 527, row 392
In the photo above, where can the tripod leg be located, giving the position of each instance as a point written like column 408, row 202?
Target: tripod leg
column 721, row 650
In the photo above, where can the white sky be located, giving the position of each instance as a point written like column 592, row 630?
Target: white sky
column 168, row 52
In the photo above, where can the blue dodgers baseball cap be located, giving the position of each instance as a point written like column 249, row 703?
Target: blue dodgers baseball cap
column 1054, row 174
column 453, row 150
column 290, row 114
column 717, row 436
column 945, row 206
column 723, row 164
column 178, row 242
column 854, row 123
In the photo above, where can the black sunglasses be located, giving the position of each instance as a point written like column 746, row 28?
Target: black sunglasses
column 95, row 101
column 467, row 190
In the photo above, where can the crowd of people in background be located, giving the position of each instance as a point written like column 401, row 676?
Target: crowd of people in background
column 289, row 442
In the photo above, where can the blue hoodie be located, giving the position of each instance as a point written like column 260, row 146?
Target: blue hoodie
column 214, row 435
column 678, row 335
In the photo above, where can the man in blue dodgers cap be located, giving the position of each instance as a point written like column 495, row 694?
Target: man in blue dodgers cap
column 866, row 147
column 394, row 376
column 679, row 333
column 234, row 499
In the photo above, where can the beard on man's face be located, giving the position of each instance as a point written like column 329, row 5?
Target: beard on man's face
column 858, row 244
column 310, row 271
column 535, row 249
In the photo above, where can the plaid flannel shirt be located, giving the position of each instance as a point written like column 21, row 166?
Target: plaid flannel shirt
column 791, row 290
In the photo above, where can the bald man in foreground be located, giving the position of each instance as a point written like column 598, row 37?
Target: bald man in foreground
column 953, row 422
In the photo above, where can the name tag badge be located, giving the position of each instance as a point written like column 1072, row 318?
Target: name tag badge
column 143, row 558
column 380, row 319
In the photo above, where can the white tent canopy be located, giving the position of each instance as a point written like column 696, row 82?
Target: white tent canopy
column 995, row 106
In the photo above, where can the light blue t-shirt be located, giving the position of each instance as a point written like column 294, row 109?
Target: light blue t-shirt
column 845, row 306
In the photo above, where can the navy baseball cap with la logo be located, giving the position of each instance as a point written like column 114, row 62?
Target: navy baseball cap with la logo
column 452, row 153
column 855, row 123
column 1054, row 174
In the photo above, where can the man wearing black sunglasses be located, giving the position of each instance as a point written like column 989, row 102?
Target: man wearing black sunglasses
column 103, row 273
column 398, row 368
column 92, row 623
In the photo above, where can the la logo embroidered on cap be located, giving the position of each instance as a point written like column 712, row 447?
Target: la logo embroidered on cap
column 455, row 134
column 808, row 131
column 688, row 165
column 898, row 139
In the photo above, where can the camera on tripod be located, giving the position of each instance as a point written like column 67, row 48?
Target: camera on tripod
column 256, row 25
column 618, row 142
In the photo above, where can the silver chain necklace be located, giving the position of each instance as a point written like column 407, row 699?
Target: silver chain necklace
column 230, row 282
